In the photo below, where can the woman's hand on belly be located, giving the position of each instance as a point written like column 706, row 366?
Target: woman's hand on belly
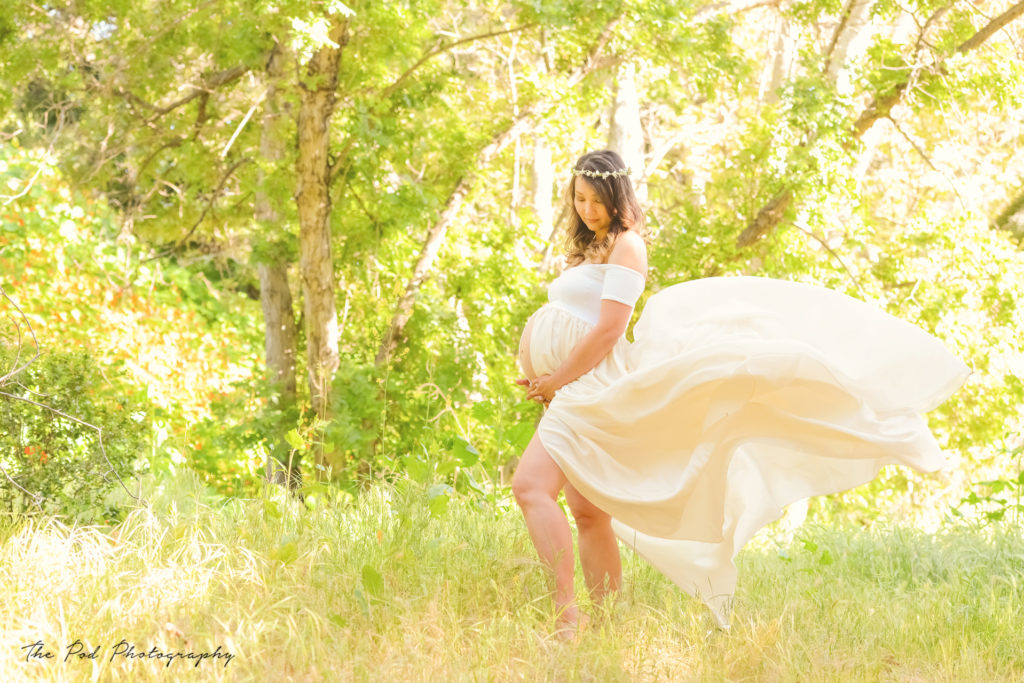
column 529, row 384
column 543, row 389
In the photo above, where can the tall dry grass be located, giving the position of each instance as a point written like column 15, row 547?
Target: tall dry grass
column 375, row 588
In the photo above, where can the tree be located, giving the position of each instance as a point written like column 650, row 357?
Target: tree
column 280, row 335
column 772, row 213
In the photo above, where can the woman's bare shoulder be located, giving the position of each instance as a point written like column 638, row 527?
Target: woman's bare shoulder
column 629, row 250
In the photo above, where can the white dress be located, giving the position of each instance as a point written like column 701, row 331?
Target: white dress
column 739, row 396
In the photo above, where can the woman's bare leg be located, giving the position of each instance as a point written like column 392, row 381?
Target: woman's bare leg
column 599, row 551
column 536, row 484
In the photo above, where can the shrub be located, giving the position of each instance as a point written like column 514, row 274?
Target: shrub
column 66, row 437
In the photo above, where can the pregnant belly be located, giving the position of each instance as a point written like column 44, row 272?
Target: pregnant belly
column 524, row 349
column 548, row 338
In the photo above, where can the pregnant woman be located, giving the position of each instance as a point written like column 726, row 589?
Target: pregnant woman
column 738, row 396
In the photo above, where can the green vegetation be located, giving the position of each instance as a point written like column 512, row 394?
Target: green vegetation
column 242, row 235
column 378, row 588
column 53, row 408
column 866, row 147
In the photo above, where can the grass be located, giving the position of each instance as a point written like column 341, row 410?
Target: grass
column 378, row 589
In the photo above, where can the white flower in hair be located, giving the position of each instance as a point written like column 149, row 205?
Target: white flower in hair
column 601, row 174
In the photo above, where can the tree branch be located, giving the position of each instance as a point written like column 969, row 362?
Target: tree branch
column 4, row 379
column 213, row 197
column 99, row 436
column 882, row 105
column 1014, row 208
column 206, row 209
column 991, row 27
column 35, row 342
column 771, row 214
column 730, row 7
column 829, row 249
column 209, row 84
column 921, row 153
column 766, row 219
column 445, row 48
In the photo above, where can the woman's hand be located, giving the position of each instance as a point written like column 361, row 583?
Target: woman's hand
column 543, row 389
column 535, row 391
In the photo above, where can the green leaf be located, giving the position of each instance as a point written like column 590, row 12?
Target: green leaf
column 519, row 435
column 438, row 490
column 438, row 497
column 294, row 440
column 418, row 470
column 361, row 599
column 373, row 582
column 438, row 506
column 466, row 453
column 483, row 411
column 286, row 553
column 466, row 481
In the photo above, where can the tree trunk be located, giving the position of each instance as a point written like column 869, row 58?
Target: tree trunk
column 542, row 180
column 850, row 40
column 779, row 62
column 280, row 336
column 626, row 136
column 314, row 208
column 1011, row 218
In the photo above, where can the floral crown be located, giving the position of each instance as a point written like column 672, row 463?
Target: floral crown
column 601, row 174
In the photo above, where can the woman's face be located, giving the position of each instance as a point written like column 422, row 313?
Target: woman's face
column 588, row 205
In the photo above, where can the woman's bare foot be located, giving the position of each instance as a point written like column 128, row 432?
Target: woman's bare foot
column 570, row 622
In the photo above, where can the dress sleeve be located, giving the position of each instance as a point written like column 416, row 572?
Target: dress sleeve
column 622, row 284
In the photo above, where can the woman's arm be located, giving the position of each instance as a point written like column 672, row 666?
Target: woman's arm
column 594, row 345
column 630, row 251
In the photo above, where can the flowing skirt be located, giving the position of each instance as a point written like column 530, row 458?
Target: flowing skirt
column 739, row 396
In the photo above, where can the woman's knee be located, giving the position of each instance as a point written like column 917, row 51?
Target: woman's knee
column 529, row 490
column 537, row 477
column 586, row 514
column 523, row 490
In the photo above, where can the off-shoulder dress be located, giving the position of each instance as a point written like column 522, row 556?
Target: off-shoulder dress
column 737, row 397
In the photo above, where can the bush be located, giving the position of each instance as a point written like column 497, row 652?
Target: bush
column 66, row 437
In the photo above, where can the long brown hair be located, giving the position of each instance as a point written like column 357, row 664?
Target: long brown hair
column 616, row 193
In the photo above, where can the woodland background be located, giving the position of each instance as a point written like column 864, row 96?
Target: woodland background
column 247, row 233
column 259, row 240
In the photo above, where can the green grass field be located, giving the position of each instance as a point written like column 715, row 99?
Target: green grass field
column 375, row 588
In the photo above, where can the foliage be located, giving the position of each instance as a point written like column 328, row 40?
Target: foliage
column 997, row 500
column 167, row 334
column 899, row 216
column 66, row 436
